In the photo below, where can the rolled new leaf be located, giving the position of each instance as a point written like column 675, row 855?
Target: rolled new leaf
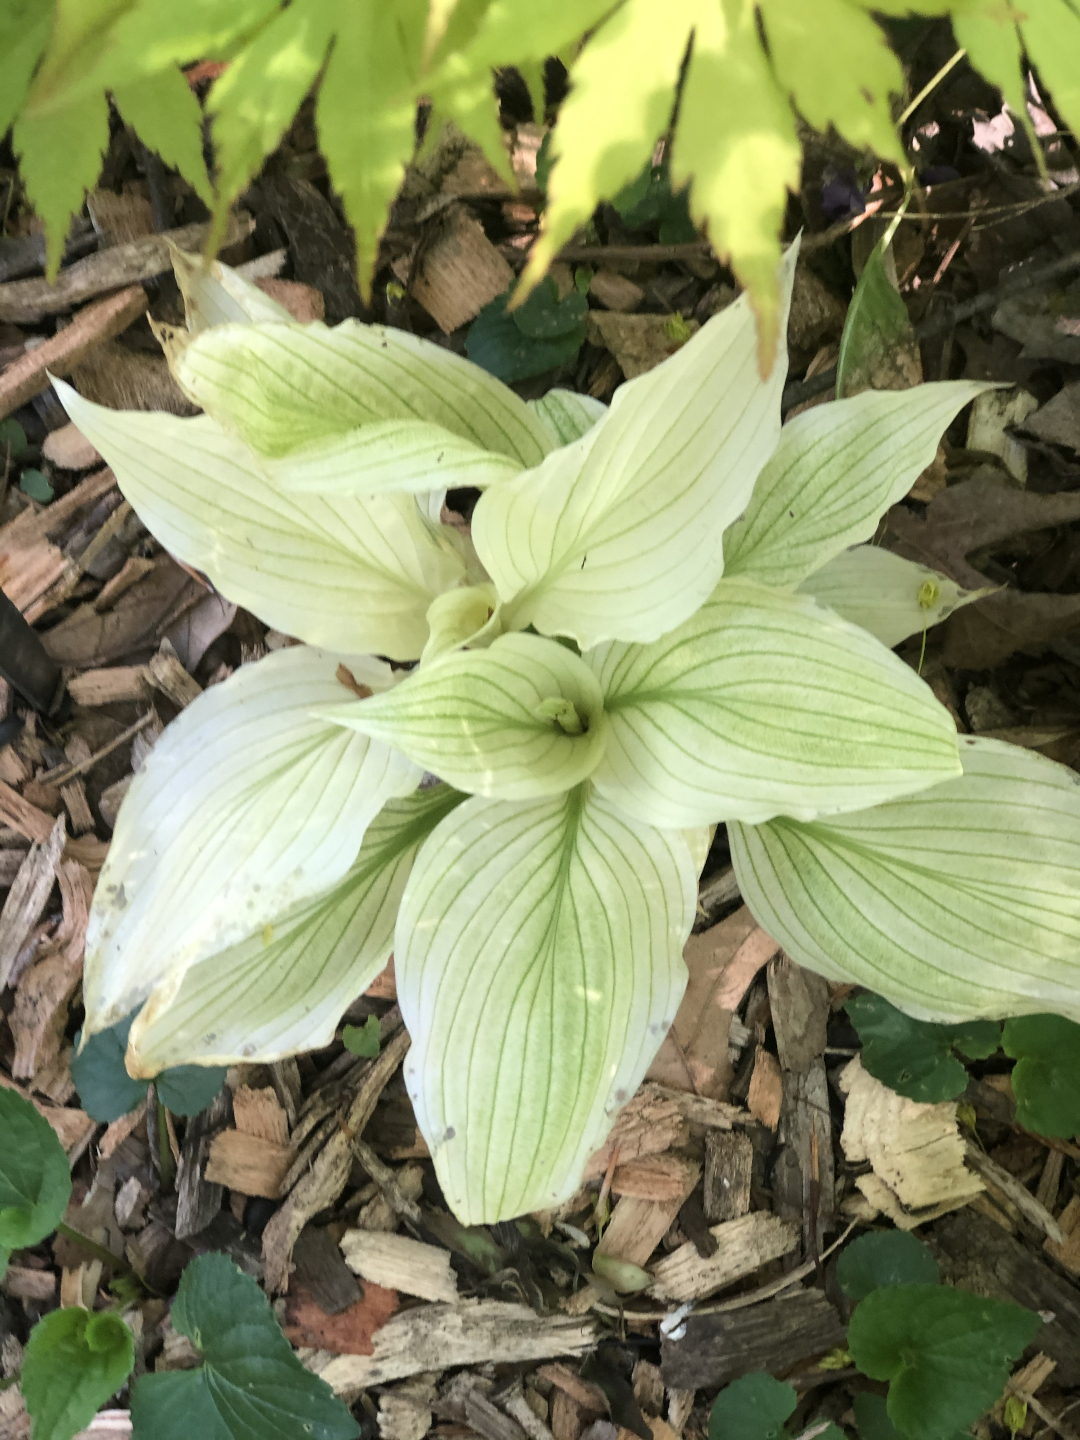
column 538, row 959
column 246, row 806
column 958, row 903
column 520, row 720
column 764, row 704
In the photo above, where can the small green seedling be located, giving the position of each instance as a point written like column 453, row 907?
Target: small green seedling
column 913, row 1057
column 107, row 1091
column 665, row 615
column 363, row 1040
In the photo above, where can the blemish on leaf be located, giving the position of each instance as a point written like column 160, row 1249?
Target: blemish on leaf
column 344, row 676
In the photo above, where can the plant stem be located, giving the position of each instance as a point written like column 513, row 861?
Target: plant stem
column 166, row 1168
column 930, row 85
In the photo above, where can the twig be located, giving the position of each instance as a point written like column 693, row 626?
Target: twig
column 692, row 249
column 387, row 1181
column 931, row 85
column 63, row 773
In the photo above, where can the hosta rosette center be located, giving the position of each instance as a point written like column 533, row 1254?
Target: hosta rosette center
column 665, row 616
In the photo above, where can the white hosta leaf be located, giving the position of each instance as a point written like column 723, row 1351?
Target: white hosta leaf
column 618, row 535
column 284, row 988
column 390, row 455
column 502, row 721
column 960, row 902
column 283, row 386
column 538, row 958
column 567, row 415
column 245, row 806
column 836, row 470
column 886, row 594
column 764, row 704
column 469, row 615
column 216, row 294
column 332, row 570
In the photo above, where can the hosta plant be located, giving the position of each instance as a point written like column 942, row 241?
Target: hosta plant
column 665, row 615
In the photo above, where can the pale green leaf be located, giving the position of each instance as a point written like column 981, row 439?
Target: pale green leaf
column 622, row 90
column 736, row 140
column 510, row 34
column 82, row 32
column 469, row 615
column 764, row 704
column 567, row 415
column 1051, row 34
column 885, row 594
column 168, row 119
column 518, row 721
column 618, row 535
column 24, row 33
column 284, row 988
column 877, row 326
column 836, row 470
column 334, row 570
column 958, row 903
column 59, row 154
column 254, row 101
column 216, row 294
column 836, row 63
column 389, row 456
column 284, row 386
column 257, row 806
column 539, row 964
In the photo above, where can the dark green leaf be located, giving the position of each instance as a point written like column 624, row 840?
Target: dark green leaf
column 35, row 1181
column 543, row 316
column 1046, row 1077
column 36, row 485
column 362, row 1040
column 872, row 1417
column 74, row 1361
column 12, row 440
column 886, row 1257
column 753, row 1408
column 250, row 1385
column 649, row 200
column 107, row 1091
column 947, row 1353
column 877, row 325
column 914, row 1057
column 496, row 343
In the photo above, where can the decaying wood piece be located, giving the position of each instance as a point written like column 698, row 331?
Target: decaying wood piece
column 321, row 1268
column 59, row 356
column 437, row 1337
column 199, row 1198
column 399, row 1263
column 248, row 1164
column 652, row 1177
column 69, row 449
column 999, row 1180
column 916, row 1151
column 45, row 988
column 1067, row 1253
column 803, row 1175
column 165, row 673
column 20, row 815
column 638, row 342
column 799, row 1003
column 648, row 1124
column 637, row 1226
column 109, row 687
column 28, row 300
column 776, row 1336
column 457, row 272
column 703, row 1110
column 729, row 1161
column 766, row 1095
column 743, row 1246
column 325, row 1179
column 28, row 896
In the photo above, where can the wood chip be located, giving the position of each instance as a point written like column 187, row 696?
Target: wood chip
column 439, row 1337
column 28, row 896
column 729, row 1160
column 26, row 1284
column 29, row 375
column 615, row 292
column 109, row 686
column 743, row 1246
column 653, row 1177
column 459, row 272
column 248, row 1164
column 1000, row 1183
column 766, row 1089
column 638, row 342
column 799, row 1003
column 916, row 1151
column 45, row 988
column 589, row 1397
column 637, row 1226
column 1067, row 1251
column 776, row 1336
column 260, row 1112
column 399, row 1263
column 648, row 1125
column 350, row 1331
column 303, row 302
column 199, row 1198
column 20, row 815
column 69, row 449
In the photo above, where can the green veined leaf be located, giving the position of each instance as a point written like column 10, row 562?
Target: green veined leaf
column 501, row 344
column 216, row 294
column 886, row 594
column 754, row 1407
column 107, row 1090
column 1051, row 33
column 284, row 988
column 284, row 386
column 250, row 1384
column 520, row 720
column 358, row 574
column 24, row 33
column 35, row 1182
column 622, row 89
column 838, row 67
column 538, row 958
column 946, row 1353
column 764, row 704
column 736, row 139
column 958, row 903
column 877, row 324
column 467, row 616
column 1046, row 1076
column 257, row 805
column 566, row 415
column 74, row 1361
column 168, row 119
column 389, row 456
column 254, row 101
column 914, row 1057
column 836, row 470
column 884, row 1257
column 617, row 535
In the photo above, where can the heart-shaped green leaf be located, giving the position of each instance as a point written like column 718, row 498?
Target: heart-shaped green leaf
column 74, row 1361
column 885, row 1257
column 35, row 1182
column 914, row 1057
column 1046, row 1077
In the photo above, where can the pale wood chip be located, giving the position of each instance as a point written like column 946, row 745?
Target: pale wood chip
column 249, row 1164
column 109, row 686
column 166, row 674
column 637, row 1226
column 647, row 1125
column 303, row 302
column 28, row 896
column 1067, row 1251
column 45, row 988
column 729, row 1160
column 26, row 1284
column 398, row 1263
column 459, row 272
column 260, row 1112
column 743, row 1246
column 69, row 449
column 766, row 1093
